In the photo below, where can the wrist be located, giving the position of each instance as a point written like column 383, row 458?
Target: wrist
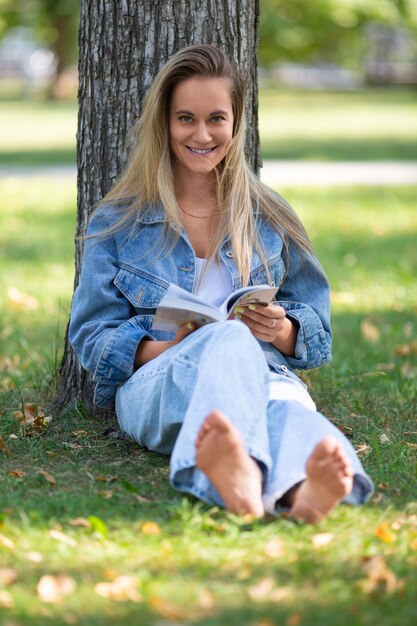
column 286, row 340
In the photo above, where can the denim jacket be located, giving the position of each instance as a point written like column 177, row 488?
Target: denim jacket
column 125, row 275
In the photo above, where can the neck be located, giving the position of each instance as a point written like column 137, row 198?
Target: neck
column 198, row 188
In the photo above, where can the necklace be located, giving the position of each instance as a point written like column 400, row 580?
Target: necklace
column 197, row 217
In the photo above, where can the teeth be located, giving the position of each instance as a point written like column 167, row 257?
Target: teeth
column 197, row 151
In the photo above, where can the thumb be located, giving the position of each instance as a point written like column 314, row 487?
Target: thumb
column 184, row 330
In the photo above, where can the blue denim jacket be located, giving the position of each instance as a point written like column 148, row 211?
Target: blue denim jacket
column 125, row 275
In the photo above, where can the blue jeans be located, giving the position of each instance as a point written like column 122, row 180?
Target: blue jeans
column 222, row 366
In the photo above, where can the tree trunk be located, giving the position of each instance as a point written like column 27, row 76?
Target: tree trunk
column 122, row 47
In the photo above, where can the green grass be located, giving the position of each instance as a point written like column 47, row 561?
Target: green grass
column 206, row 567
column 374, row 124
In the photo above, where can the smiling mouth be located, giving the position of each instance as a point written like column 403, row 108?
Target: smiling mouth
column 201, row 151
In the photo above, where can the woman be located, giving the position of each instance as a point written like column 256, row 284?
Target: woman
column 222, row 399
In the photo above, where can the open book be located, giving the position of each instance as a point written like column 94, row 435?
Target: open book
column 179, row 306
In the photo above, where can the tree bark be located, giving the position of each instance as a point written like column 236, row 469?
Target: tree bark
column 122, row 45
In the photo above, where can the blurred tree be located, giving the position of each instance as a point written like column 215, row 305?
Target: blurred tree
column 325, row 30
column 55, row 22
column 122, row 47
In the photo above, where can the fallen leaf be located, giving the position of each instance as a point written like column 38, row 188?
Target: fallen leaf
column 261, row 590
column 383, row 532
column 17, row 473
column 379, row 574
column 123, row 588
column 362, row 449
column 34, row 557
column 6, row 542
column 8, row 575
column 5, row 448
column 106, row 479
column 6, row 600
column 402, row 350
column 275, row 548
column 370, row 332
column 62, row 537
column 151, row 528
column 167, row 609
column 107, row 493
column 47, row 476
column 20, row 300
column 322, row 539
column 80, row 521
column 142, row 499
column 383, row 439
column 32, row 416
column 53, row 589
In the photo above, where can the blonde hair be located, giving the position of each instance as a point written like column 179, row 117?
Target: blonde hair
column 148, row 177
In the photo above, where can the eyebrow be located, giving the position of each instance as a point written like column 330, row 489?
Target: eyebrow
column 219, row 112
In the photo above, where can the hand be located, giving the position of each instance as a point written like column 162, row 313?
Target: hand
column 183, row 332
column 148, row 350
column 269, row 323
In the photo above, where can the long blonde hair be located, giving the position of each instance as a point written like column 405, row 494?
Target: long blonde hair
column 148, row 177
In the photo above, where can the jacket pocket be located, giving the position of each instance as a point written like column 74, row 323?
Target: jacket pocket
column 143, row 290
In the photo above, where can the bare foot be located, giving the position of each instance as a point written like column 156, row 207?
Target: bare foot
column 329, row 479
column 222, row 457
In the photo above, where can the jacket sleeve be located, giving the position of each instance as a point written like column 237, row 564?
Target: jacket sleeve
column 305, row 296
column 102, row 330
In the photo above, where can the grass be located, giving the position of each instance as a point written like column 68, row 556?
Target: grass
column 193, row 564
column 374, row 124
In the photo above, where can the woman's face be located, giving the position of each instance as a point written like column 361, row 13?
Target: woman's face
column 201, row 123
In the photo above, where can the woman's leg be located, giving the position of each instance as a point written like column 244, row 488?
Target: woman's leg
column 164, row 404
column 314, row 466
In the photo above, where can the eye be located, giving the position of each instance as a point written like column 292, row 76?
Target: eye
column 217, row 118
column 185, row 118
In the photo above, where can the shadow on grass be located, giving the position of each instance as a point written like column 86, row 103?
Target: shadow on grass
column 40, row 157
column 336, row 149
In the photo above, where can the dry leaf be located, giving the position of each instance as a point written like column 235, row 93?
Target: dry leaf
column 20, row 300
column 59, row 536
column 322, row 539
column 121, row 589
column 80, row 521
column 383, row 532
column 6, row 600
column 293, row 620
column 142, row 499
column 106, row 479
column 47, row 476
column 54, row 588
column 151, row 528
column 275, row 548
column 383, row 439
column 261, row 590
column 362, row 449
column 8, row 575
column 6, row 542
column 167, row 609
column 35, row 557
column 32, row 416
column 265, row 590
column 107, row 493
column 5, row 448
column 370, row 332
column 17, row 473
column 379, row 574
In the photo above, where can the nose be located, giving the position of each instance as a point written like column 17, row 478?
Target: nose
column 201, row 134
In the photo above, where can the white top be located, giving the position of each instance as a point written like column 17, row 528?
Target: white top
column 213, row 282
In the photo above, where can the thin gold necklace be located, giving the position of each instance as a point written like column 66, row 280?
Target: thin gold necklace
column 197, row 217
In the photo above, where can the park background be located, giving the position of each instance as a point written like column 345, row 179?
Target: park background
column 90, row 531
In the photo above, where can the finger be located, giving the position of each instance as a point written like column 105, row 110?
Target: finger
column 263, row 324
column 186, row 329
column 259, row 310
